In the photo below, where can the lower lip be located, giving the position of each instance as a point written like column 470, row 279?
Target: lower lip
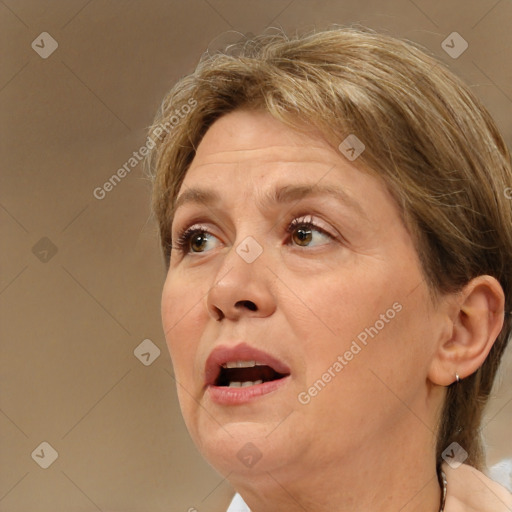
column 225, row 395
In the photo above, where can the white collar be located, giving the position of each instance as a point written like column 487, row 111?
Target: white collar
column 238, row 505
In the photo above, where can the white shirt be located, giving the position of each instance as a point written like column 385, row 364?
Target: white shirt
column 238, row 505
column 461, row 482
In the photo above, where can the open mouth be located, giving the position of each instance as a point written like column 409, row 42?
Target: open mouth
column 238, row 374
column 241, row 373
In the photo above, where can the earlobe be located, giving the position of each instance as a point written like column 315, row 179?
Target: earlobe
column 472, row 329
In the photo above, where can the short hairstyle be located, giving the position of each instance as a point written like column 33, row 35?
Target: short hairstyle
column 425, row 134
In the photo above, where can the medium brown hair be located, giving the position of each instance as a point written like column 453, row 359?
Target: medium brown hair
column 426, row 135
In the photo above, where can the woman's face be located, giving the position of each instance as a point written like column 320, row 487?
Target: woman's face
column 322, row 289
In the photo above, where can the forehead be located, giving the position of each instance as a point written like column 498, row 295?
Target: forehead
column 247, row 156
column 254, row 148
column 257, row 137
column 244, row 130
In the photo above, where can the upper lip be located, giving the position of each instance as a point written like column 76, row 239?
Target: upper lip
column 241, row 352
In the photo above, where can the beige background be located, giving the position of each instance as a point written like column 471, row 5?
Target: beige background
column 71, row 321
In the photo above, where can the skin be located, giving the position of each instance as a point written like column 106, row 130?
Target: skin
column 366, row 441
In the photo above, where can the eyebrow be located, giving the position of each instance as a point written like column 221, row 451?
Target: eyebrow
column 284, row 194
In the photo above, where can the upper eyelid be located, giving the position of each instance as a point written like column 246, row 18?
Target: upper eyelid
column 310, row 219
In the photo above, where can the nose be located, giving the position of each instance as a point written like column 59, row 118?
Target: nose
column 241, row 289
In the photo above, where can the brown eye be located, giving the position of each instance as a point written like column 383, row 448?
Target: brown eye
column 303, row 233
column 194, row 240
column 302, row 236
column 197, row 242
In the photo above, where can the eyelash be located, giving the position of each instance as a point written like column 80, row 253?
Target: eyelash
column 186, row 234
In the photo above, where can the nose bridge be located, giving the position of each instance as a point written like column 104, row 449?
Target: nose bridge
column 243, row 264
column 248, row 252
column 242, row 281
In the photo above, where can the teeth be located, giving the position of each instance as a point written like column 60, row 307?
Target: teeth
column 244, row 384
column 241, row 364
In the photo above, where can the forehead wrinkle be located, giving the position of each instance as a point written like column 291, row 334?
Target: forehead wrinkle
column 296, row 192
column 270, row 153
column 269, row 199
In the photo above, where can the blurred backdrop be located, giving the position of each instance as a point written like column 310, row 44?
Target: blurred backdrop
column 89, row 417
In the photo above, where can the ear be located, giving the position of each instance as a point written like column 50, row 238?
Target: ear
column 474, row 319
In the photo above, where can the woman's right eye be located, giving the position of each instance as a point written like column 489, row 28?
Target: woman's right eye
column 192, row 240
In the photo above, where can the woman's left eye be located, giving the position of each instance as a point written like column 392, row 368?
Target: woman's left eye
column 301, row 230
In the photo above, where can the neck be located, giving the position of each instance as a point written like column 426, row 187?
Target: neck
column 402, row 477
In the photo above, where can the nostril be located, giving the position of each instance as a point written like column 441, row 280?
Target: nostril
column 248, row 304
column 219, row 314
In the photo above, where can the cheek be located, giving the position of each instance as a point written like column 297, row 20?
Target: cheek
column 362, row 396
column 337, row 306
column 182, row 307
column 182, row 322
column 369, row 318
column 326, row 313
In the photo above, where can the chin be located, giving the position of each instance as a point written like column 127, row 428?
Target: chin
column 242, row 447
